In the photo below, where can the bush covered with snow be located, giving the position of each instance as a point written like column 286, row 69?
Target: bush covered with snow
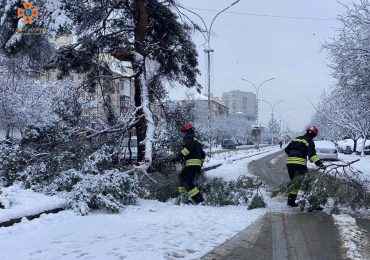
column 160, row 186
column 71, row 156
column 257, row 202
column 218, row 192
column 111, row 191
column 10, row 164
column 58, row 159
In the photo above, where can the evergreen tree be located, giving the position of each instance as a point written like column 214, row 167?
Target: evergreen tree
column 141, row 32
column 137, row 31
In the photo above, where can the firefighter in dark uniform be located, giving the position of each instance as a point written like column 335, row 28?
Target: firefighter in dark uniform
column 193, row 155
column 298, row 150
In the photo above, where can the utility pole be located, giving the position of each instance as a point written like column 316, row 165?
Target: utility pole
column 208, row 51
column 272, row 106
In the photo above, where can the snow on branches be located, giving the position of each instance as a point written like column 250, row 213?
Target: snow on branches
column 345, row 111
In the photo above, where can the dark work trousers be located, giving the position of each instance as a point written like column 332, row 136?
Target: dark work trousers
column 186, row 179
column 294, row 171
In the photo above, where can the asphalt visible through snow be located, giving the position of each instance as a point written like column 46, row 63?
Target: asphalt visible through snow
column 272, row 174
column 282, row 235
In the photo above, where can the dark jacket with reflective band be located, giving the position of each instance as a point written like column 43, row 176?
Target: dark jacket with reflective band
column 298, row 150
column 192, row 151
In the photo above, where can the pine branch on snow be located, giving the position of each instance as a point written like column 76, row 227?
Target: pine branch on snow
column 333, row 188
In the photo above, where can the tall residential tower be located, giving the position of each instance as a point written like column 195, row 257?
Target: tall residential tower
column 241, row 103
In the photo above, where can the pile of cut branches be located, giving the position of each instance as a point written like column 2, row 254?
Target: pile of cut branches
column 340, row 185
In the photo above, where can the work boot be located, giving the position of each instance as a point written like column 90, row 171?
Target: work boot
column 198, row 198
column 291, row 200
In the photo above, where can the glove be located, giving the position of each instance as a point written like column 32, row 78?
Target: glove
column 323, row 167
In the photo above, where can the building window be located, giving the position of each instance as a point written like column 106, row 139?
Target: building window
column 124, row 103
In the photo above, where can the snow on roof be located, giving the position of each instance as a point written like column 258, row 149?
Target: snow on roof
column 117, row 66
column 325, row 144
column 198, row 96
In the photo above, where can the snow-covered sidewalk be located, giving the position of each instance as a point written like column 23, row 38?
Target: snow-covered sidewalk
column 19, row 203
column 150, row 230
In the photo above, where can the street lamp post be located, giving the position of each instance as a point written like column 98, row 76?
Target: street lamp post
column 208, row 51
column 283, row 125
column 272, row 117
column 272, row 106
column 257, row 91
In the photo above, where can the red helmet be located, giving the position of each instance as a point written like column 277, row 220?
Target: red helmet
column 186, row 127
column 312, row 130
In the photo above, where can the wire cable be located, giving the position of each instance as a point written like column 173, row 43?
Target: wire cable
column 267, row 15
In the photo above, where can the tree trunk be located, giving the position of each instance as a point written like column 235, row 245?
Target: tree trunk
column 363, row 146
column 7, row 133
column 140, row 33
column 355, row 145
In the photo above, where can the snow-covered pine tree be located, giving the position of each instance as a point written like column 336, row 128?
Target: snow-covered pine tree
column 138, row 32
column 31, row 41
column 61, row 155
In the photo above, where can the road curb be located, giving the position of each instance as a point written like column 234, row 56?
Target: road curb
column 29, row 217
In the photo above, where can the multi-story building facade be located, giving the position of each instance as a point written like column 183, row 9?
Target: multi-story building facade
column 217, row 106
column 120, row 87
column 241, row 103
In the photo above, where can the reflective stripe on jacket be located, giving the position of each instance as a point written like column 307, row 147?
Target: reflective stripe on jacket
column 192, row 151
column 298, row 150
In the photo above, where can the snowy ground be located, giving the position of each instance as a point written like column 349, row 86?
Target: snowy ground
column 233, row 165
column 363, row 165
column 352, row 237
column 232, row 155
column 19, row 202
column 150, row 230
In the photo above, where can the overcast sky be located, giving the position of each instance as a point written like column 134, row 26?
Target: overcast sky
column 258, row 47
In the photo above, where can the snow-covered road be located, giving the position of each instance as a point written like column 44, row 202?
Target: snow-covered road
column 289, row 234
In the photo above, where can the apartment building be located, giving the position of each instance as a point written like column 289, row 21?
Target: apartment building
column 120, row 89
column 241, row 104
column 218, row 108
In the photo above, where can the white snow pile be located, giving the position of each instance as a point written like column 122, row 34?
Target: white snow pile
column 352, row 237
column 19, row 203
